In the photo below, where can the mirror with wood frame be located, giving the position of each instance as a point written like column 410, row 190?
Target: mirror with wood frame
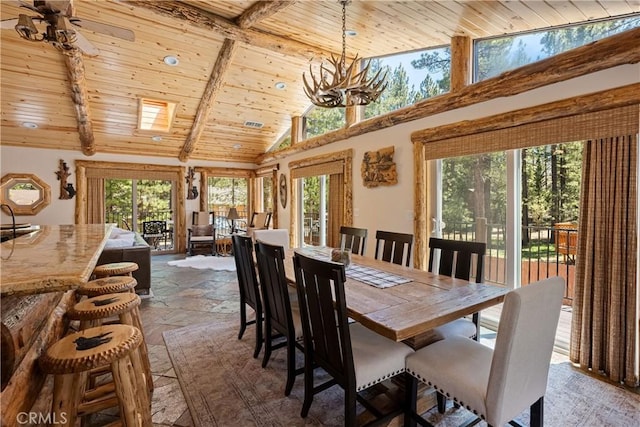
column 25, row 193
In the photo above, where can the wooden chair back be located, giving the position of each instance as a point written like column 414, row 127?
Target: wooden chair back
column 458, row 253
column 396, row 247
column 325, row 322
column 354, row 239
column 273, row 283
column 246, row 271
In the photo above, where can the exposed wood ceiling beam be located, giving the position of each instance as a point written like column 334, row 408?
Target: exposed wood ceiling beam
column 231, row 30
column 80, row 97
column 612, row 51
column 260, row 10
column 208, row 98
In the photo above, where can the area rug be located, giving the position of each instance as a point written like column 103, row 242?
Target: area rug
column 202, row 262
column 225, row 386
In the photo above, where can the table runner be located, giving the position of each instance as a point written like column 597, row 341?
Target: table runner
column 374, row 277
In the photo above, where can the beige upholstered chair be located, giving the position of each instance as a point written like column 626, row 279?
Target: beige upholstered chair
column 497, row 385
column 278, row 236
column 202, row 232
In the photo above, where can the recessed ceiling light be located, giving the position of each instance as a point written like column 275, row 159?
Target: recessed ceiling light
column 156, row 138
column 280, row 85
column 351, row 33
column 29, row 125
column 171, row 60
column 237, row 146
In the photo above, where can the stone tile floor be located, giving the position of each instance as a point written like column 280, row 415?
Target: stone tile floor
column 181, row 297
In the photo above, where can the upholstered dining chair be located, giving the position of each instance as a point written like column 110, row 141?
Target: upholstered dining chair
column 249, row 288
column 497, row 384
column 277, row 236
column 394, row 247
column 462, row 255
column 354, row 239
column 355, row 357
column 282, row 315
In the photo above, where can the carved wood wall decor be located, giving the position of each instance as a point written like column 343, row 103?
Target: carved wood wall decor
column 66, row 189
column 192, row 190
column 378, row 168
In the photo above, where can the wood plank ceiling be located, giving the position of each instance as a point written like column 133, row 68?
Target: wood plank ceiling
column 231, row 53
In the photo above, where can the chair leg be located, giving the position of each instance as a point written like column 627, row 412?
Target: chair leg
column 308, row 385
column 350, row 408
column 476, row 321
column 243, row 320
column 267, row 343
column 442, row 402
column 258, row 335
column 291, row 365
column 537, row 413
column 411, row 400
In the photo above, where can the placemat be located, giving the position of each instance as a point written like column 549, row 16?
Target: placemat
column 374, row 277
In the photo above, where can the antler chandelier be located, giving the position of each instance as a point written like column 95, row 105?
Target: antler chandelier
column 344, row 86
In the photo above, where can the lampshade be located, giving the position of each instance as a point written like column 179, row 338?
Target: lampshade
column 233, row 214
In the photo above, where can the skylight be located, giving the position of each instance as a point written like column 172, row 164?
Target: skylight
column 156, row 115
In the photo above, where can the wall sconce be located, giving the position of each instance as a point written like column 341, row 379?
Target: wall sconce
column 66, row 189
column 192, row 191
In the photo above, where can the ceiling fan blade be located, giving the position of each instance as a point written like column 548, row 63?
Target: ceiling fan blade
column 8, row 24
column 110, row 30
column 85, row 45
column 28, row 6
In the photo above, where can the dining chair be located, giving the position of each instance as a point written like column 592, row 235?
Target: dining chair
column 497, row 385
column 281, row 314
column 462, row 254
column 354, row 239
column 354, row 356
column 277, row 236
column 249, row 288
column 394, row 247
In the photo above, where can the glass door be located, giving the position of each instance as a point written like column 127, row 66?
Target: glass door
column 313, row 196
column 130, row 203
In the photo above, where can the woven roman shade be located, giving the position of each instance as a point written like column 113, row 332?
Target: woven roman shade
column 581, row 127
column 329, row 168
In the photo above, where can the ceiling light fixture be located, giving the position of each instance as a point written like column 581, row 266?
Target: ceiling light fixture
column 171, row 61
column 156, row 138
column 29, row 125
column 280, row 85
column 344, row 86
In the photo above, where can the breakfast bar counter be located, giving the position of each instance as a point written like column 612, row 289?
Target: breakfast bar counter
column 39, row 272
column 53, row 258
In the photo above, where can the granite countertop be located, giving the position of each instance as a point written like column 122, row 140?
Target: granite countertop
column 53, row 258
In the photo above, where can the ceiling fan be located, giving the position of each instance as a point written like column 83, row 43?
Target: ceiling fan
column 61, row 22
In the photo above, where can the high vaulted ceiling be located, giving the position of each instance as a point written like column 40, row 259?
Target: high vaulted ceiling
column 231, row 53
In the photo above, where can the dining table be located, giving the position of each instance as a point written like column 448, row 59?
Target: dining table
column 404, row 303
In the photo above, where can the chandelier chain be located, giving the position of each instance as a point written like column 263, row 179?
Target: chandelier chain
column 344, row 33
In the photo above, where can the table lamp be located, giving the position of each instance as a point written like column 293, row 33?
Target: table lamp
column 233, row 216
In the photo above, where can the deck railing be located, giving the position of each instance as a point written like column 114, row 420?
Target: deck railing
column 546, row 251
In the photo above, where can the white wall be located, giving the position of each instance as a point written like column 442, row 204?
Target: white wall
column 381, row 208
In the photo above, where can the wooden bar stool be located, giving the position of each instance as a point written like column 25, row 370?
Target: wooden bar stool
column 70, row 360
column 115, row 269
column 107, row 285
column 94, row 311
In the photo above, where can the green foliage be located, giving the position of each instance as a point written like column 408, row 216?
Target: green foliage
column 322, row 120
column 226, row 192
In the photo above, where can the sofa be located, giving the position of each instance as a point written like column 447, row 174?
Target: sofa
column 127, row 246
